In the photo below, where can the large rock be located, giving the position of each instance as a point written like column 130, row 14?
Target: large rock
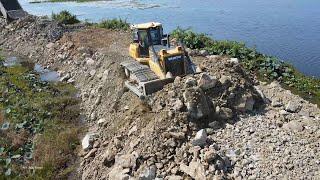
column 224, row 113
column 118, row 173
column 293, row 107
column 127, row 160
column 245, row 103
column 207, row 82
column 225, row 81
column 177, row 105
column 203, row 52
column 295, row 126
column 148, row 174
column 109, row 158
column 234, row 60
column 195, row 170
column 87, row 141
column 196, row 103
column 190, row 82
column 201, row 138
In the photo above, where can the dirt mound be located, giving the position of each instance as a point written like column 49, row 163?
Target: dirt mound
column 162, row 137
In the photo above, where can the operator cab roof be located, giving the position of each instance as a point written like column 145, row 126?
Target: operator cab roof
column 145, row 25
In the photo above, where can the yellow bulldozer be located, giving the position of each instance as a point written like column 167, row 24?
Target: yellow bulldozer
column 155, row 61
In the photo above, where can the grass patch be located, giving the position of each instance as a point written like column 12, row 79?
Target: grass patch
column 267, row 68
column 39, row 126
column 114, row 24
column 65, row 17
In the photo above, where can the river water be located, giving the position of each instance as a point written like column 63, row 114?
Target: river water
column 287, row 29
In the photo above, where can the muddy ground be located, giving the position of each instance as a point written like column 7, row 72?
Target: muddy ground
column 224, row 125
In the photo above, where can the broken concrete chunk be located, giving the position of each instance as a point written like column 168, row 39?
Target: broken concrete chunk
column 178, row 105
column 109, row 158
column 127, row 160
column 196, row 103
column 195, row 170
column 89, row 61
column 234, row 60
column 293, row 107
column 294, row 126
column 200, row 139
column 224, row 113
column 190, row 82
column 118, row 173
column 149, row 173
column 101, row 121
column 207, row 82
column 225, row 81
column 87, row 142
column 246, row 103
column 50, row 45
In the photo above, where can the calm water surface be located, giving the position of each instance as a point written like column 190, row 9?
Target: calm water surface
column 287, row 29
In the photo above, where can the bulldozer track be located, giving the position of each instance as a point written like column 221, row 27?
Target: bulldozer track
column 139, row 72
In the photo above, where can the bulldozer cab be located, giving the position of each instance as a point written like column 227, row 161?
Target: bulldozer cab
column 148, row 34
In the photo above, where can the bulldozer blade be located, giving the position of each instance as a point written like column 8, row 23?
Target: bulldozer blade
column 11, row 10
column 147, row 88
column 155, row 85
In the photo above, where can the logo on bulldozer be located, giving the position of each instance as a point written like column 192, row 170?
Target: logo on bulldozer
column 174, row 58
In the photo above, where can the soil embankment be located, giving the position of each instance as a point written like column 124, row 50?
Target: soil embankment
column 219, row 124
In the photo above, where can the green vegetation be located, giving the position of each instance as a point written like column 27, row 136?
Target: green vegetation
column 65, row 17
column 39, row 126
column 115, row 24
column 266, row 67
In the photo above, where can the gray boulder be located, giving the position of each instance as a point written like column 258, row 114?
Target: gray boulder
column 149, row 173
column 207, row 82
column 200, row 139
column 196, row 103
column 87, row 142
column 293, row 107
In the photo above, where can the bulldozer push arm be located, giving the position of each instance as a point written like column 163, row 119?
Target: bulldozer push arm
column 11, row 10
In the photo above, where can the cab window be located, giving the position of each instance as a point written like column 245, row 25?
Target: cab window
column 155, row 36
column 143, row 38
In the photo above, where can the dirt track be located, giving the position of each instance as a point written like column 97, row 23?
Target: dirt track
column 132, row 139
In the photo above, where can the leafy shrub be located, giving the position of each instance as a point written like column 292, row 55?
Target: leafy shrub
column 65, row 17
column 191, row 39
column 266, row 67
column 115, row 24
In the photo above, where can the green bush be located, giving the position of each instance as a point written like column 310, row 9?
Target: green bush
column 115, row 24
column 266, row 67
column 191, row 39
column 65, row 17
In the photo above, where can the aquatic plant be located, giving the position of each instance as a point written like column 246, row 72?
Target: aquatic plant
column 39, row 125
